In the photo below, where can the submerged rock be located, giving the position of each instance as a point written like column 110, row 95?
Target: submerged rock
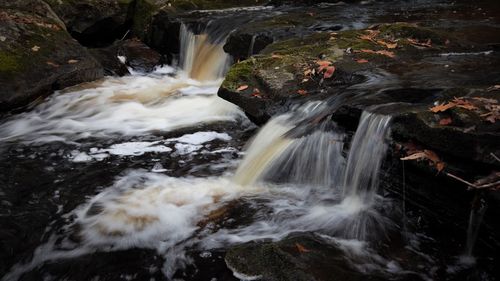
column 297, row 257
column 37, row 55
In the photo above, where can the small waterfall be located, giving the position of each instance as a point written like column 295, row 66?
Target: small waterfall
column 252, row 44
column 475, row 220
column 202, row 58
column 294, row 148
column 366, row 154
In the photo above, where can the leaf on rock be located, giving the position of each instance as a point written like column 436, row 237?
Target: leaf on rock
column 415, row 42
column 361, row 61
column 302, row 92
column 329, row 72
column 388, row 45
column 323, row 64
column 242, row 88
column 72, row 61
column 35, row 48
column 381, row 52
column 301, row 248
column 445, row 121
column 53, row 64
column 442, row 107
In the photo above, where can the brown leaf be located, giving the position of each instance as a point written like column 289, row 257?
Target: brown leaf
column 415, row 156
column 301, row 248
column 72, row 61
column 52, row 64
column 442, row 107
column 371, row 34
column 307, row 72
column 431, row 155
column 462, row 103
column 415, row 42
column 388, row 45
column 445, row 121
column 302, row 92
column 361, row 61
column 381, row 52
column 323, row 64
column 329, row 72
column 440, row 166
column 276, row 56
column 242, row 88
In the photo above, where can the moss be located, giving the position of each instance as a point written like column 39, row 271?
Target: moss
column 10, row 63
column 238, row 74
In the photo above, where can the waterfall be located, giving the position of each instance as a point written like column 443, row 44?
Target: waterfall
column 202, row 57
column 366, row 154
column 294, row 148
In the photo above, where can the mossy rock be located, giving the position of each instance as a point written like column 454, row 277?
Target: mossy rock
column 299, row 256
column 37, row 56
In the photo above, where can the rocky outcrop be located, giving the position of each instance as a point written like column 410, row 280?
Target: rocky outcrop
column 400, row 69
column 37, row 55
column 95, row 23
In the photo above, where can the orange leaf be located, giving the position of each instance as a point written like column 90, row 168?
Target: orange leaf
column 329, row 72
column 301, row 248
column 445, row 121
column 387, row 44
column 382, row 52
column 361, row 61
column 242, row 88
column 440, row 166
column 302, row 92
column 415, row 42
column 442, row 107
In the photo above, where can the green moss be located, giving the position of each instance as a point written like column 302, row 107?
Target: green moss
column 10, row 63
column 238, row 74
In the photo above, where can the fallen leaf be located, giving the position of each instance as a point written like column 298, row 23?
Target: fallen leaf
column 370, row 36
column 72, row 61
column 415, row 156
column 35, row 48
column 302, row 92
column 242, row 88
column 361, row 61
column 442, row 107
column 431, row 155
column 381, row 52
column 52, row 64
column 445, row 121
column 276, row 56
column 440, row 166
column 388, row 45
column 494, row 88
column 329, row 72
column 323, row 64
column 307, row 72
column 415, row 42
column 462, row 103
column 301, row 248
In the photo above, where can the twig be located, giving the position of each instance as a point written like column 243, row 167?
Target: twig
column 484, row 186
column 494, row 156
column 126, row 33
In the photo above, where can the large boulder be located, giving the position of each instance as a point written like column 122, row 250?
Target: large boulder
column 37, row 55
column 95, row 22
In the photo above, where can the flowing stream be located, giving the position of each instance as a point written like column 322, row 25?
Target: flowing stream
column 298, row 173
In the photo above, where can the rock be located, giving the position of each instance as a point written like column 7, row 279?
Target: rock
column 38, row 56
column 95, row 23
column 131, row 52
column 411, row 66
column 296, row 257
column 108, row 58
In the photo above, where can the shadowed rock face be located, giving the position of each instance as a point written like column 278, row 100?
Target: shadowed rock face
column 38, row 56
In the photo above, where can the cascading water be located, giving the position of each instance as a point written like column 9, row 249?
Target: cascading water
column 203, row 58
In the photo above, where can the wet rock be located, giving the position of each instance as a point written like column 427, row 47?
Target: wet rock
column 138, row 55
column 157, row 22
column 297, row 257
column 108, row 58
column 94, row 23
column 38, row 56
